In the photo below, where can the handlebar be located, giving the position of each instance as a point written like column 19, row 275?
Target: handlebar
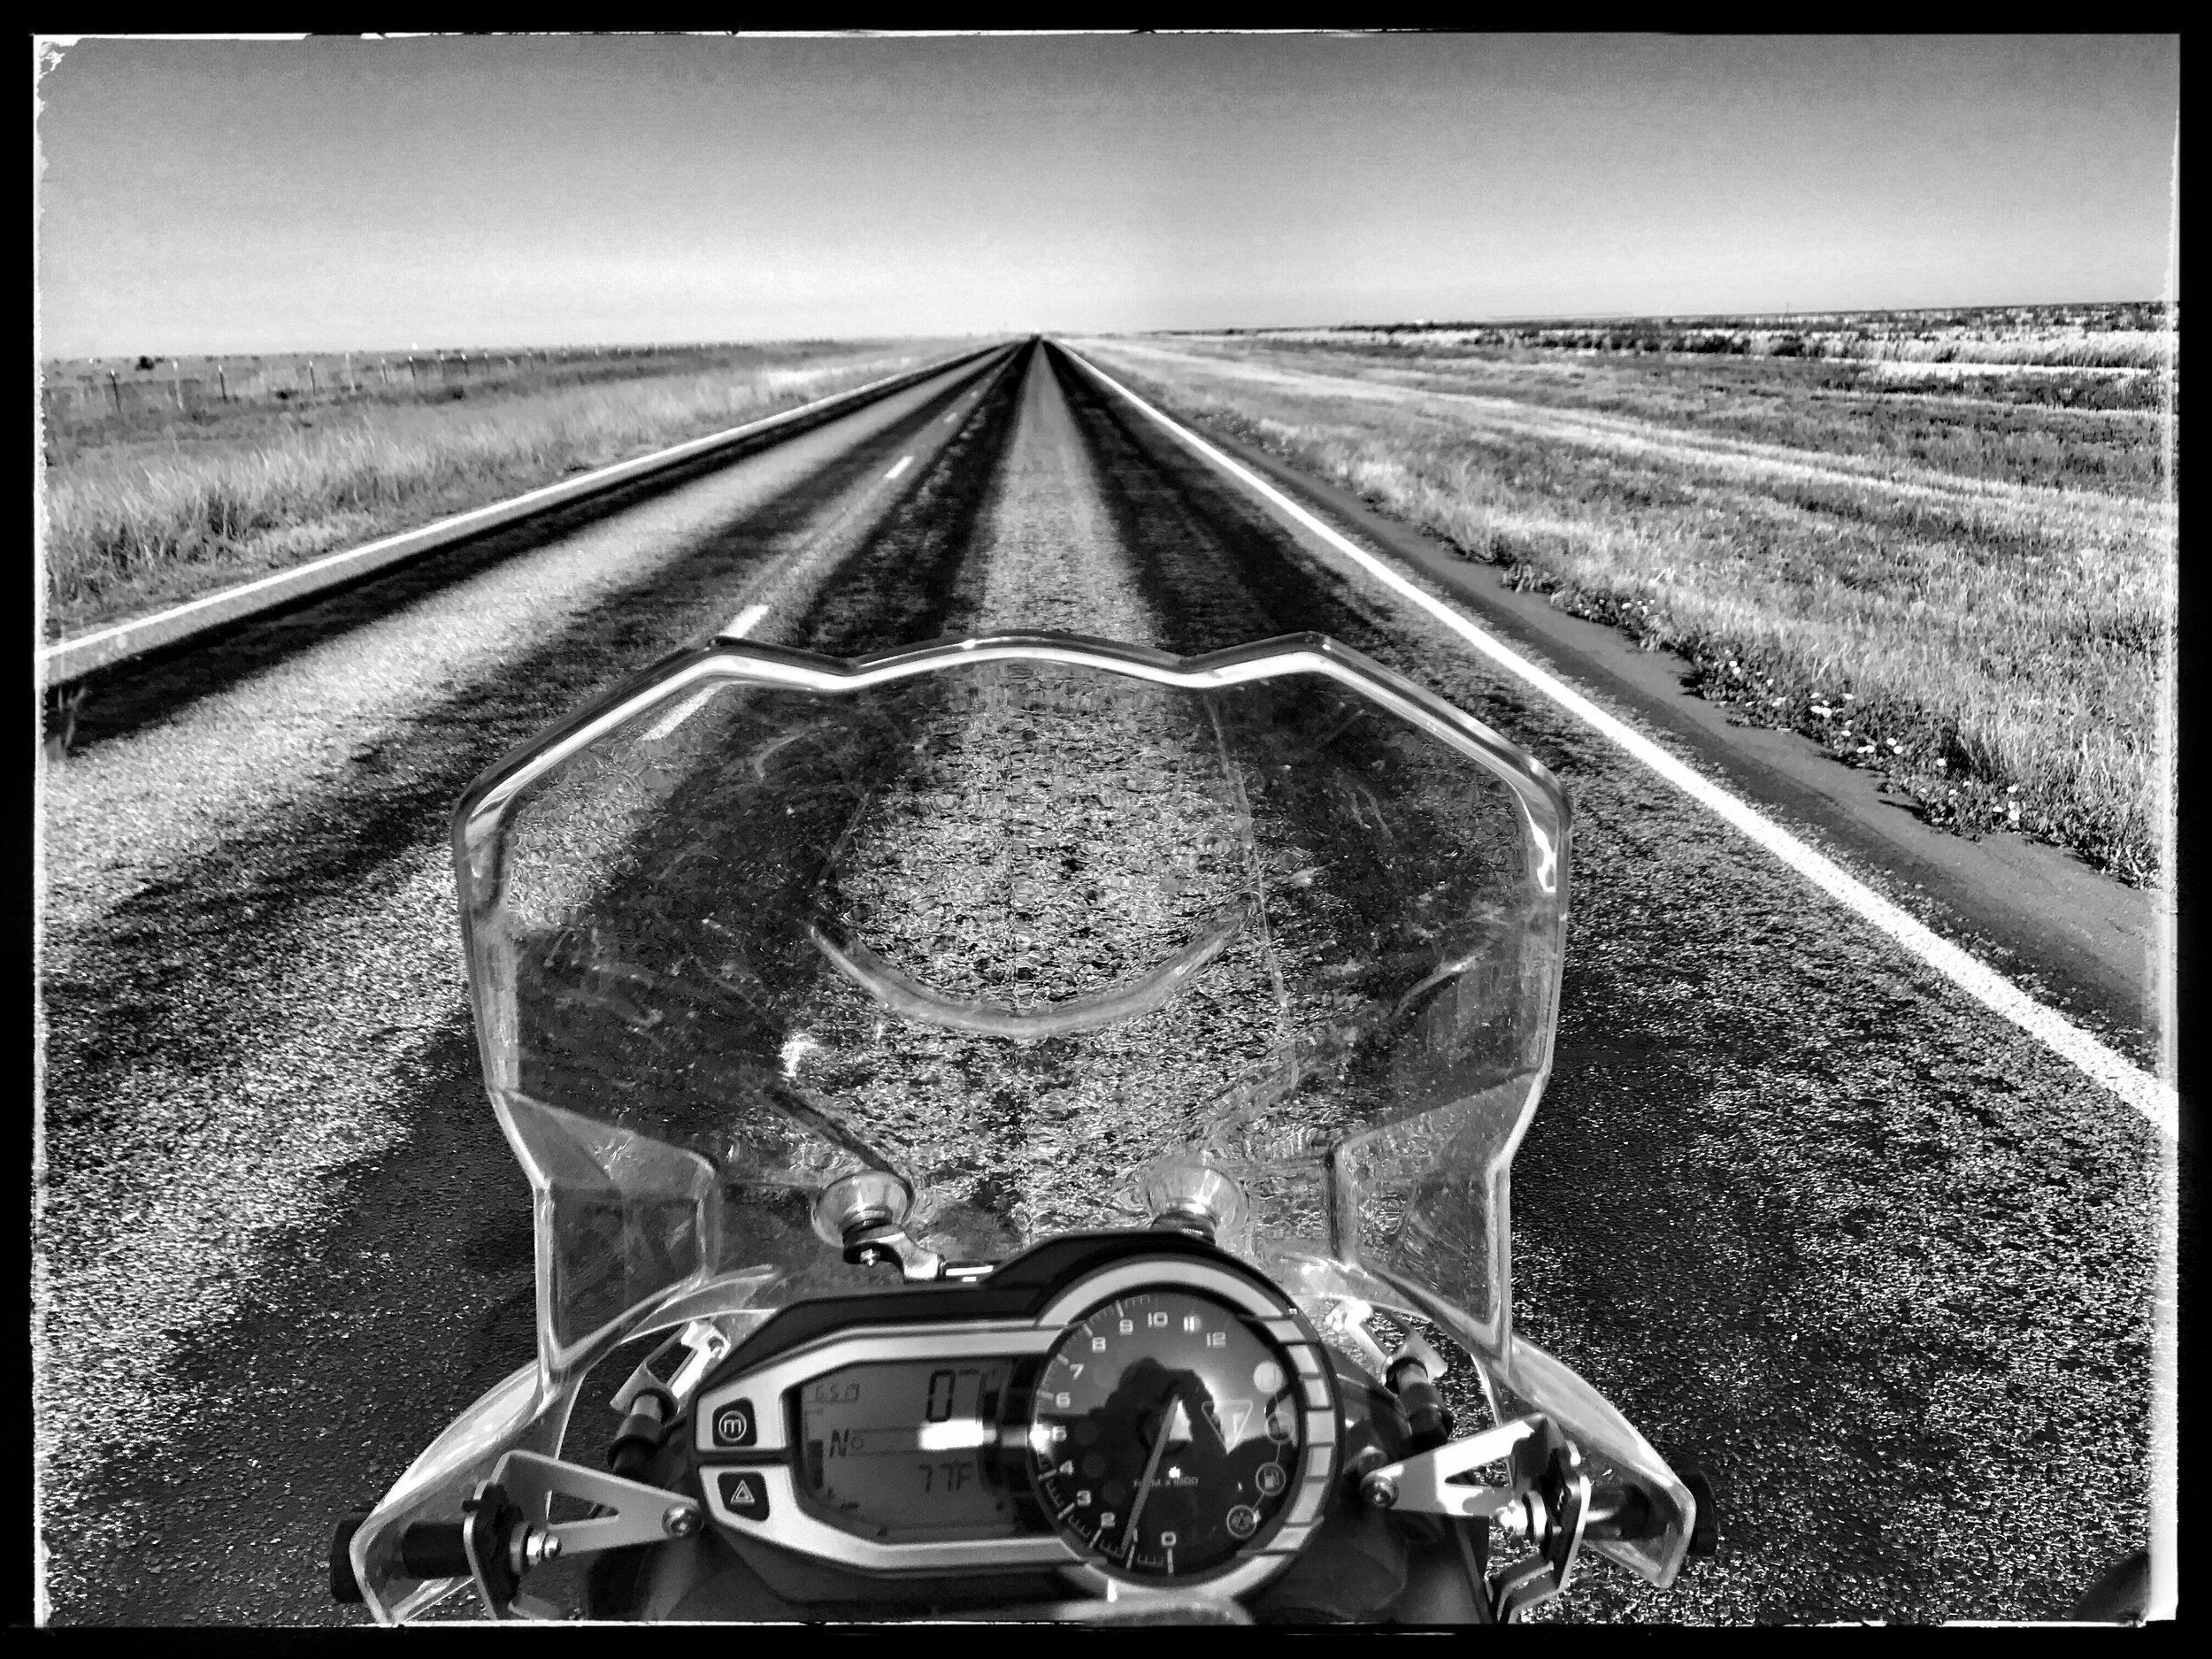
column 427, row 1549
column 1621, row 1513
column 435, row 1550
column 1625, row 1513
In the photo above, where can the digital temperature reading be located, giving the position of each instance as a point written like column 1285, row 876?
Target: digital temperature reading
column 899, row 1451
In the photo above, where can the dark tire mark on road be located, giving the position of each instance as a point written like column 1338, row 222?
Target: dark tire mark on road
column 899, row 587
column 350, row 1347
column 1215, row 565
column 419, row 1294
column 1870, row 1258
column 1757, row 1238
column 120, row 1004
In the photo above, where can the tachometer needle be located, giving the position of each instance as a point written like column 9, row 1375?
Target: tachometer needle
column 1174, row 1425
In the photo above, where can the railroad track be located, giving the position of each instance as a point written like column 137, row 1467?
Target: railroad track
column 1808, row 1213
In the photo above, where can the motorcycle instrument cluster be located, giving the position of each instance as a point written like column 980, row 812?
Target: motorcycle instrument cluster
column 1159, row 1420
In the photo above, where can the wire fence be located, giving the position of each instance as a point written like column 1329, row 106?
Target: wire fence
column 79, row 392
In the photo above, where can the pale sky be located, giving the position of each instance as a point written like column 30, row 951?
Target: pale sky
column 255, row 196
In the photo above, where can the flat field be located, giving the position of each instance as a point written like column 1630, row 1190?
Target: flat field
column 1943, row 545
column 150, row 505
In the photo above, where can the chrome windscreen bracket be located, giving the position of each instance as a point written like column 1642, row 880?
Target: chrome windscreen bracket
column 703, row 1343
column 509, row 1530
column 1545, row 1499
column 1554, row 1511
column 630, row 1512
column 1431, row 1483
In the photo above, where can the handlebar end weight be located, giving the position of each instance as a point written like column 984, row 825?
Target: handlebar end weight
column 344, row 1587
column 1705, row 1530
column 2121, row 1595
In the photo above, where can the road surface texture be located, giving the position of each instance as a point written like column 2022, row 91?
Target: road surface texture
column 1809, row 1215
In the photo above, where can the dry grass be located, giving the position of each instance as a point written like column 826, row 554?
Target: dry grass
column 133, row 525
column 2057, row 349
column 1971, row 595
column 2140, row 337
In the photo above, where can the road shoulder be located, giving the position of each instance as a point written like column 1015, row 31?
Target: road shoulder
column 2076, row 938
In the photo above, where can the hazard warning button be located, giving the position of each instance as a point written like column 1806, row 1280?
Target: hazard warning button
column 744, row 1494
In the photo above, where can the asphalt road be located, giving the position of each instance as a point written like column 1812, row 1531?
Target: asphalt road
column 1809, row 1215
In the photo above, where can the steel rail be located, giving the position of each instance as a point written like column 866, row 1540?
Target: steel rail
column 72, row 659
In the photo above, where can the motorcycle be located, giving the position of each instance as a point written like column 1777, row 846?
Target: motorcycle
column 1038, row 1113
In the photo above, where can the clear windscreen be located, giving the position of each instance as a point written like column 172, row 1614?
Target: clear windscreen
column 1012, row 921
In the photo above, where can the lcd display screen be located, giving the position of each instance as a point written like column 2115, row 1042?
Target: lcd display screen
column 902, row 1450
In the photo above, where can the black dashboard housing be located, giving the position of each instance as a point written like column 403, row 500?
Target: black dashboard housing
column 1017, row 1288
column 1359, row 1565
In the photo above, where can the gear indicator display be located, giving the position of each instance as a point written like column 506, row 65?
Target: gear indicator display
column 902, row 1451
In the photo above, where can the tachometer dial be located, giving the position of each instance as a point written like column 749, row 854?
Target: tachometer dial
column 1165, row 1435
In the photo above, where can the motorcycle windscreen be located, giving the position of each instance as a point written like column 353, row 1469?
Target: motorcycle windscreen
column 1012, row 920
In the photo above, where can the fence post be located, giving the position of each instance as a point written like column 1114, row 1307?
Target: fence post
column 176, row 381
column 115, row 387
column 222, row 383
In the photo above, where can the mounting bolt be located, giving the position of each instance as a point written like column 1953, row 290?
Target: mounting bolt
column 681, row 1520
column 1380, row 1490
column 534, row 1547
column 1525, row 1515
column 1357, row 1466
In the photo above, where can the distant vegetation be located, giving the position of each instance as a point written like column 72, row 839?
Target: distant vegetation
column 1954, row 569
column 93, row 400
column 150, row 502
column 2124, row 337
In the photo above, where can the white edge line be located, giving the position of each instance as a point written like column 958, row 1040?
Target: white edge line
column 2165, row 1449
column 2155, row 1100
column 475, row 519
column 681, row 712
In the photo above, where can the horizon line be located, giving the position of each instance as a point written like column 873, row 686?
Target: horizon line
column 1522, row 320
